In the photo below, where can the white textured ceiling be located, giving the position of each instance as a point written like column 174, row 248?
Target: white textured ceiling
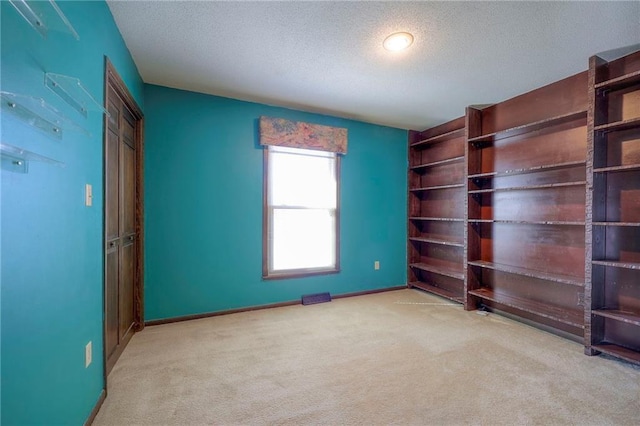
column 327, row 57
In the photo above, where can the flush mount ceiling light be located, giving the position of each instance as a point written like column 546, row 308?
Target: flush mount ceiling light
column 398, row 41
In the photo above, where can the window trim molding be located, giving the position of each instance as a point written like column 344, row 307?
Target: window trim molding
column 295, row 273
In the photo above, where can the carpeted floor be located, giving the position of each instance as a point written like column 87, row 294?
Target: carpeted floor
column 402, row 357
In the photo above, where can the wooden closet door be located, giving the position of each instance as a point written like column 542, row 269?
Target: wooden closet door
column 120, row 228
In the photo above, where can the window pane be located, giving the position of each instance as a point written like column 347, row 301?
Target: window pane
column 302, row 180
column 302, row 239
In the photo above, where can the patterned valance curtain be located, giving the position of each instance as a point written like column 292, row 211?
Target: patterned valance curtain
column 297, row 134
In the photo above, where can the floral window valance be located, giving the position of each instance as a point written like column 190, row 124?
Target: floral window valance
column 297, row 134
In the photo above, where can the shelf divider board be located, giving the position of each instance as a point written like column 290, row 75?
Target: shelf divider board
column 439, row 239
column 41, row 18
column 439, row 138
column 434, row 188
column 436, row 290
column 529, row 127
column 565, row 316
column 618, row 352
column 71, row 90
column 438, row 163
column 624, row 316
column 618, row 125
column 558, row 278
column 439, row 268
column 616, row 264
column 547, row 167
column 528, row 222
column 625, row 168
column 526, row 187
column 632, row 224
column 620, row 82
column 437, row 219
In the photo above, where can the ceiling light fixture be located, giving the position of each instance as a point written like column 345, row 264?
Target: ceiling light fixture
column 398, row 41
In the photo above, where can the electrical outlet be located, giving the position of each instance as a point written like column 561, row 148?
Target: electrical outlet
column 376, row 265
column 87, row 355
column 88, row 195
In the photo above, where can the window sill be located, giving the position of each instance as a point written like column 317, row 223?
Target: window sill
column 298, row 274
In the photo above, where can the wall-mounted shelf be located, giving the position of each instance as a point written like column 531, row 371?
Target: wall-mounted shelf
column 71, row 90
column 434, row 188
column 439, row 267
column 525, row 272
column 438, row 163
column 526, row 170
column 437, row 219
column 44, row 16
column 530, row 127
column 526, row 187
column 16, row 159
column 618, row 125
column 529, row 222
column 444, row 240
column 439, row 138
column 35, row 112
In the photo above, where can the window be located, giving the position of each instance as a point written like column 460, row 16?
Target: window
column 301, row 213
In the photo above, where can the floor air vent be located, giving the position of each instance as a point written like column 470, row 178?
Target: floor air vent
column 311, row 299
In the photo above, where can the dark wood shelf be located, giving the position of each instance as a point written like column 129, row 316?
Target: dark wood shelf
column 616, row 264
column 437, row 290
column 433, row 188
column 439, row 138
column 618, row 352
column 528, row 187
column 565, row 316
column 618, row 125
column 529, row 222
column 623, row 316
column 616, row 223
column 536, row 169
column 530, row 127
column 438, row 163
column 620, row 82
column 437, row 219
column 439, row 267
column 438, row 239
column 548, row 276
column 625, row 168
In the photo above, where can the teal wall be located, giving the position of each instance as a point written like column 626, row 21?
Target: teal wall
column 51, row 277
column 203, row 201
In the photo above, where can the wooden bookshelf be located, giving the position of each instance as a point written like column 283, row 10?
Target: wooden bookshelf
column 436, row 210
column 613, row 209
column 526, row 197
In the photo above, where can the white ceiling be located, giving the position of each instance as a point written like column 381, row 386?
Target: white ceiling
column 327, row 57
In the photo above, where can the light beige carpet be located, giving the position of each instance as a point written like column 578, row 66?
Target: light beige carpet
column 401, row 357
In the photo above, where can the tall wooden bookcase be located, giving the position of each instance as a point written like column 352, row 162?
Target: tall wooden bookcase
column 613, row 210
column 526, row 191
column 531, row 207
column 436, row 210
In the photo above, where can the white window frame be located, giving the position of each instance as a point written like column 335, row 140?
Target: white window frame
column 268, row 272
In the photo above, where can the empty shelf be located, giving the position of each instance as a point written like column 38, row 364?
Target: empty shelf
column 563, row 315
column 616, row 264
column 43, row 16
column 437, row 219
column 618, row 352
column 526, row 170
column 530, row 222
column 71, row 90
column 439, row 138
column 527, row 187
column 432, row 188
column 35, row 112
column 437, row 290
column 618, row 125
column 530, row 127
column 616, row 223
column 620, row 82
column 16, row 159
column 438, row 163
column 543, row 275
column 438, row 239
column 625, row 168
column 623, row 316
column 440, row 267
